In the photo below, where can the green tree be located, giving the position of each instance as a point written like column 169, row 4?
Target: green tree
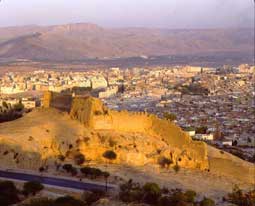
column 152, row 193
column 169, row 116
column 18, row 107
column 32, row 187
column 110, row 155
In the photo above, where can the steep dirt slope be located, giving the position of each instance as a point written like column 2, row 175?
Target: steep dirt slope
column 39, row 137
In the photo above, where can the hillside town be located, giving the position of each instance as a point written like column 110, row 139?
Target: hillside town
column 212, row 104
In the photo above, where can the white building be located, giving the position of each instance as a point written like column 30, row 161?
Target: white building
column 98, row 82
column 207, row 137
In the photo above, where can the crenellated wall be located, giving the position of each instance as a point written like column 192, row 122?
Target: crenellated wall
column 123, row 121
column 182, row 149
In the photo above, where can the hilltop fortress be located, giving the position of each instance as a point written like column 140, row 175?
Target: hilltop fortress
column 67, row 126
column 91, row 112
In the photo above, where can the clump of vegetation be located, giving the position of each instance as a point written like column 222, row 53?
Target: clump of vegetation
column 194, row 89
column 9, row 112
column 241, row 198
column 61, row 201
column 79, row 159
column 70, row 169
column 110, row 155
column 87, row 199
column 93, row 172
column 164, row 162
column 201, row 130
column 207, row 202
column 8, row 193
column 61, row 158
column 67, row 167
column 130, row 192
column 39, row 202
column 32, row 187
column 176, row 168
column 68, row 201
column 152, row 194
column 169, row 116
column 92, row 196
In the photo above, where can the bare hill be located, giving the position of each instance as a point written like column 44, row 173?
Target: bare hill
column 39, row 137
column 138, row 138
column 81, row 41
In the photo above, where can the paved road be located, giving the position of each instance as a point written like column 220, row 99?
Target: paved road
column 52, row 181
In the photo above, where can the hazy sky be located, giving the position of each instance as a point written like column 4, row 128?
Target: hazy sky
column 130, row 13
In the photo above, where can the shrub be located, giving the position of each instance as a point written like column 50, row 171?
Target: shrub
column 152, row 193
column 79, row 159
column 8, row 193
column 164, row 162
column 177, row 196
column 61, row 158
column 240, row 198
column 176, row 168
column 201, row 130
column 169, row 116
column 67, row 167
column 207, row 202
column 74, row 171
column 68, row 201
column 41, row 169
column 32, row 187
column 92, row 196
column 40, row 202
column 190, row 195
column 110, row 155
column 164, row 200
column 93, row 172
column 18, row 107
column 130, row 192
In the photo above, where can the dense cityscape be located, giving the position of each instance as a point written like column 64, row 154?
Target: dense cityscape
column 215, row 105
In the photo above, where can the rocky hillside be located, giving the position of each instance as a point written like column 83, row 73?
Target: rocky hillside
column 42, row 136
column 81, row 41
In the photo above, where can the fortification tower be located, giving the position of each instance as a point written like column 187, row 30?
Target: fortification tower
column 47, row 98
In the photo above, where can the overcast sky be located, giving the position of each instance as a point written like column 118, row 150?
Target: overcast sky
column 130, row 13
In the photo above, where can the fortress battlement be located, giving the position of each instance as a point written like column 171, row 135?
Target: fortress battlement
column 94, row 114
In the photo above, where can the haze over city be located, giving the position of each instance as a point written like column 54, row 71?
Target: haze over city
column 130, row 13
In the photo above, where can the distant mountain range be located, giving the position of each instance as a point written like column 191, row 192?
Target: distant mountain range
column 83, row 41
